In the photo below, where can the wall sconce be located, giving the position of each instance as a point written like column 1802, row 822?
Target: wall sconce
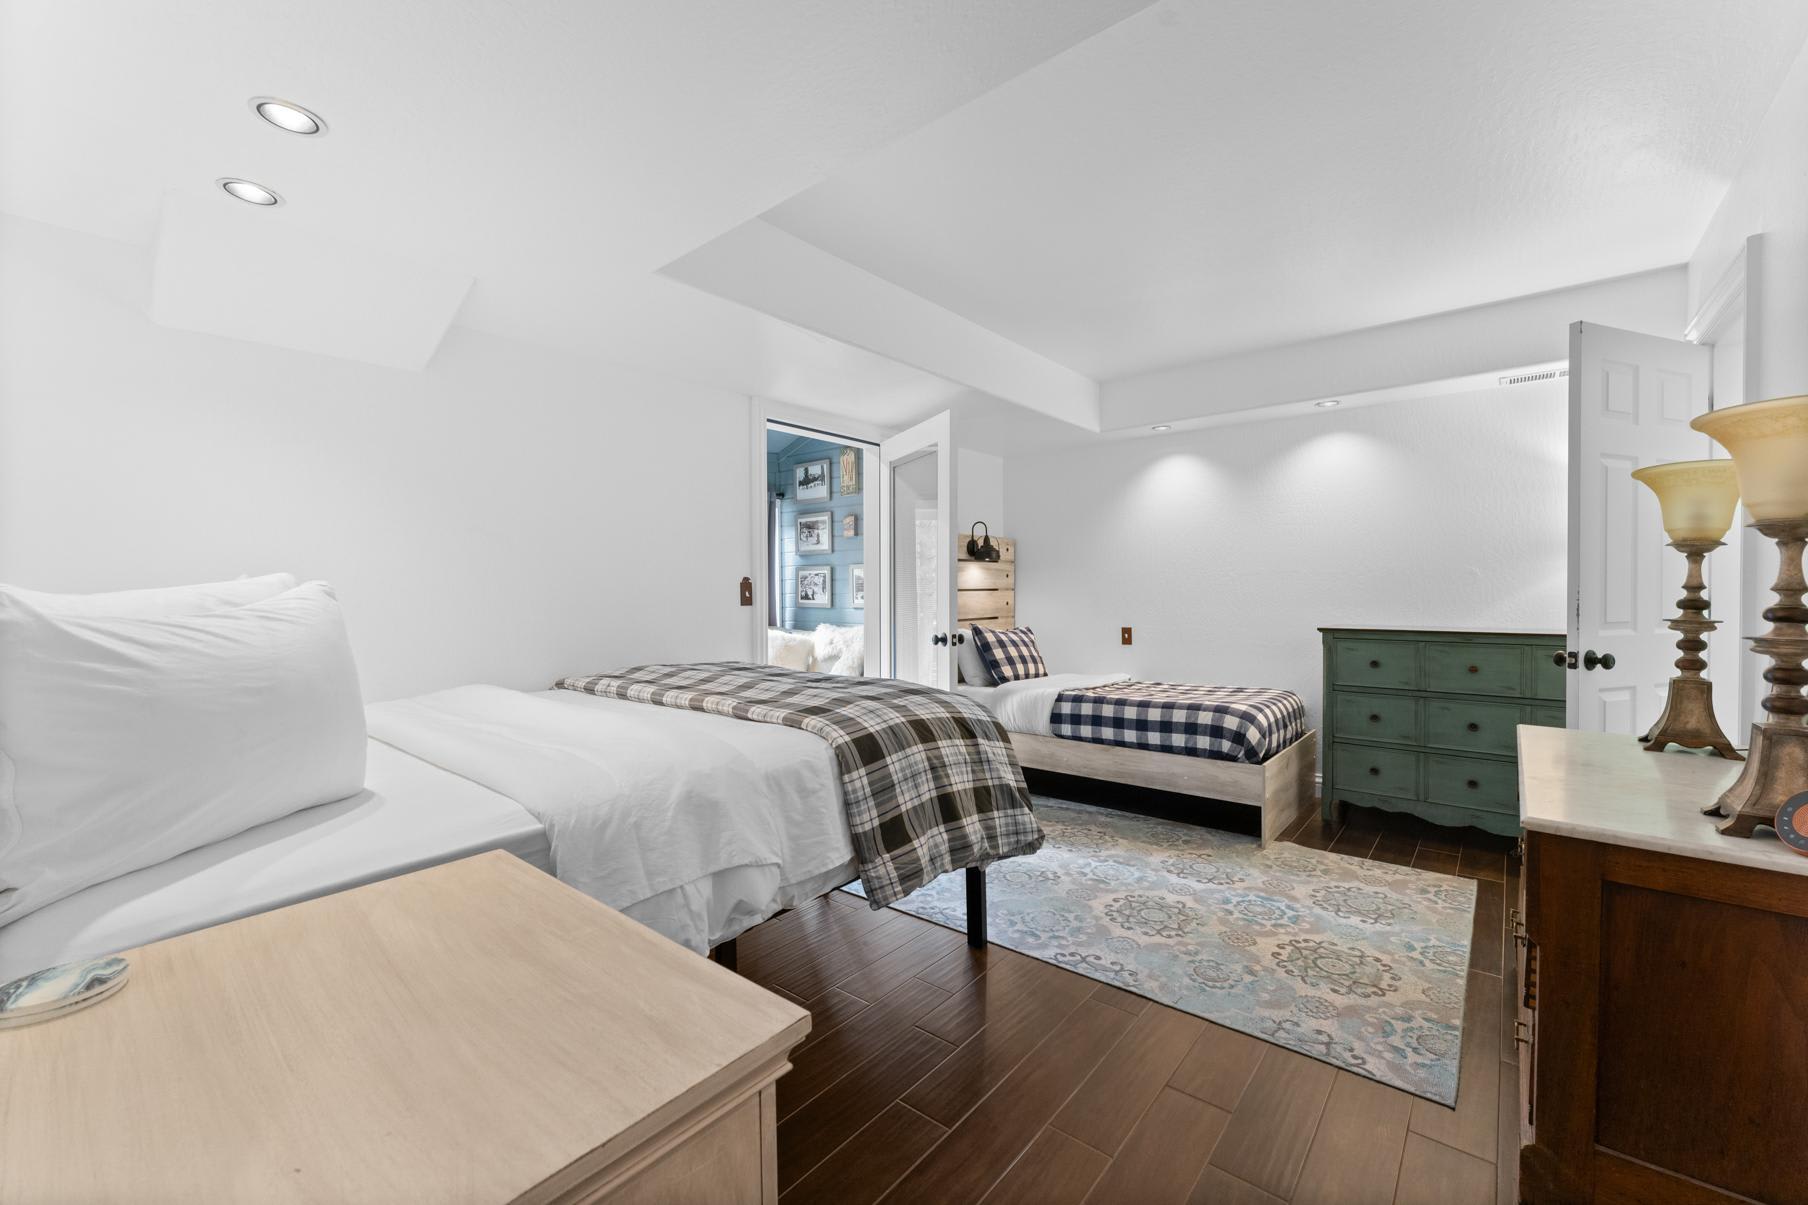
column 982, row 550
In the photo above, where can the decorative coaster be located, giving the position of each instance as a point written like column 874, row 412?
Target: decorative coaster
column 1792, row 823
column 56, row 991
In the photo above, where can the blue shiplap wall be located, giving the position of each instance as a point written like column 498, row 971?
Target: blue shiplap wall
column 784, row 453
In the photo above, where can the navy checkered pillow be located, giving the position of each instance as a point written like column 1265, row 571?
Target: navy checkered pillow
column 1011, row 653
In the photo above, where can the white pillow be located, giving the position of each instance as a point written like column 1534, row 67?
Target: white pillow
column 124, row 742
column 790, row 650
column 158, row 603
column 972, row 666
column 840, row 649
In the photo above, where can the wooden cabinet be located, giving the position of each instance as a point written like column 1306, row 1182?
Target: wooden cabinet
column 1424, row 721
column 475, row 1032
column 1663, row 995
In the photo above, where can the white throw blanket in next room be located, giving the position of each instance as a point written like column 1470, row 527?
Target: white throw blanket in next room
column 654, row 811
column 1027, row 705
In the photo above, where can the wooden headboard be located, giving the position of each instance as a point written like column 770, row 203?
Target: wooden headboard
column 986, row 591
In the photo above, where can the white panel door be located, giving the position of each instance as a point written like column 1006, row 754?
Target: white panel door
column 1631, row 397
column 916, row 559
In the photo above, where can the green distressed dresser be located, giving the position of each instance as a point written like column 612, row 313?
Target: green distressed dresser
column 1424, row 721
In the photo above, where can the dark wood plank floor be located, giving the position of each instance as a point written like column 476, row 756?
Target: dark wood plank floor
column 937, row 1073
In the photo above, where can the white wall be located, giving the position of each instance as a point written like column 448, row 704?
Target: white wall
column 508, row 515
column 1766, row 354
column 979, row 492
column 1768, row 197
column 1227, row 549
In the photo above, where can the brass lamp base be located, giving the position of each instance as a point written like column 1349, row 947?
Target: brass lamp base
column 1779, row 747
column 1688, row 720
column 1778, row 769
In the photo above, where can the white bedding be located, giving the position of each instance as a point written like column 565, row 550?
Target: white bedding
column 410, row 815
column 698, row 826
column 1027, row 705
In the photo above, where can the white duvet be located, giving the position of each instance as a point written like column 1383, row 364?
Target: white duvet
column 1028, row 705
column 696, row 825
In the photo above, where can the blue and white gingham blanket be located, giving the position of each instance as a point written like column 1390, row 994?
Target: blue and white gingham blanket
column 1229, row 723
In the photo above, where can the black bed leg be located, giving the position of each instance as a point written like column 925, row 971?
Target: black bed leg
column 976, row 907
column 725, row 954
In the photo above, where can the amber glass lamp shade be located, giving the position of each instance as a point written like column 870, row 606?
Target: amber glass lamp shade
column 1698, row 497
column 1768, row 442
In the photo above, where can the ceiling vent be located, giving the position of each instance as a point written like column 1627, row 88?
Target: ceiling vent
column 1526, row 378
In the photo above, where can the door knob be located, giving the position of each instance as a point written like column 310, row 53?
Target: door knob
column 1563, row 660
column 942, row 638
column 1590, row 659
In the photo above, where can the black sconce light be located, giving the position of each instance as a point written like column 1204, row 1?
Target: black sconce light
column 981, row 550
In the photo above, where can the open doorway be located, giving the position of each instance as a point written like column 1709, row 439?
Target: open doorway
column 816, row 566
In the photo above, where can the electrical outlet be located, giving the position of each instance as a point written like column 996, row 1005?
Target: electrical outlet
column 746, row 592
column 1126, row 632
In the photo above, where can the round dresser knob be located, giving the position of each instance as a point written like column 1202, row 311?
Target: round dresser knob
column 1475, row 669
column 1473, row 784
column 1474, row 727
column 1375, row 770
column 1374, row 665
column 1374, row 719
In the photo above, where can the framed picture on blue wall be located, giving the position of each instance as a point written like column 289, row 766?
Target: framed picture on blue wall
column 813, row 586
column 812, row 481
column 858, row 594
column 815, row 534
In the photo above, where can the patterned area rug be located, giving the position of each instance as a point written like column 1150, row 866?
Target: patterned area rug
column 1359, row 964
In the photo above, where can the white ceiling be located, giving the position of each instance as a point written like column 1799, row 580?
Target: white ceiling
column 558, row 151
column 1207, row 178
column 1099, row 184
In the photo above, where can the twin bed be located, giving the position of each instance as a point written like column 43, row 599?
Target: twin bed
column 647, row 789
column 698, row 825
column 1246, row 745
column 1249, row 746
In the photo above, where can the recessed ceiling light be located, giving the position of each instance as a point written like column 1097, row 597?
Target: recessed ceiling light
column 1327, row 403
column 245, row 190
column 1162, row 427
column 287, row 115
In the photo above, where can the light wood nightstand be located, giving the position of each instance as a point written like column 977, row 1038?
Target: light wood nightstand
column 477, row 1032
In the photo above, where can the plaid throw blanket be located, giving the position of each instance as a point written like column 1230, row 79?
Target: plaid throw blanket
column 1230, row 723
column 929, row 779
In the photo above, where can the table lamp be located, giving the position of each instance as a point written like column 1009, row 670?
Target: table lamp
column 1698, row 498
column 1769, row 445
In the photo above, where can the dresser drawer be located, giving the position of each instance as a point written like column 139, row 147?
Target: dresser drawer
column 1475, row 727
column 1390, row 718
column 1475, row 669
column 1383, row 771
column 1472, row 782
column 1388, row 663
column 1547, row 675
column 1385, row 803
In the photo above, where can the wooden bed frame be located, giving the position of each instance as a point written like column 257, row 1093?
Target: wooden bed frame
column 1282, row 787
